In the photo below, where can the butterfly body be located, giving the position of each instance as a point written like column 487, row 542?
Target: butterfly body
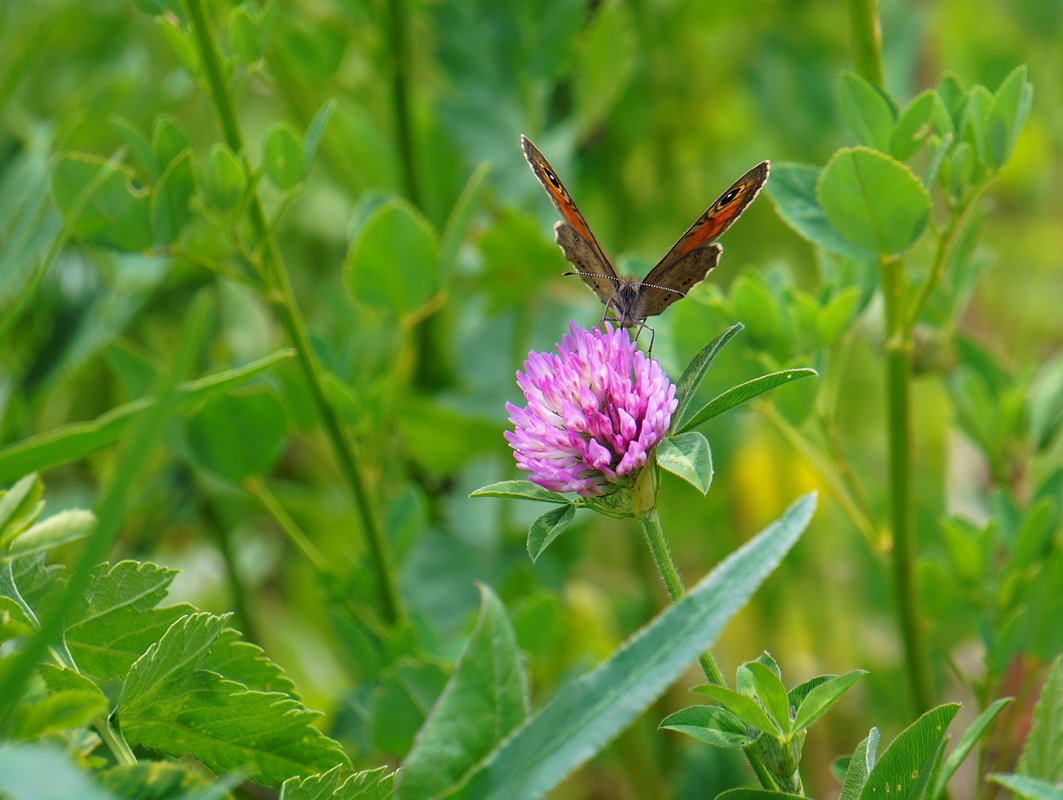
column 688, row 261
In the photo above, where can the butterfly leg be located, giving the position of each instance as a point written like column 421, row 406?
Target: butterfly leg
column 642, row 325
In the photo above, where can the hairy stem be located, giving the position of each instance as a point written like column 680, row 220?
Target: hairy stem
column 282, row 297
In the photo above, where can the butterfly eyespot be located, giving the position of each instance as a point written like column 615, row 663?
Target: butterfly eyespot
column 730, row 196
column 552, row 177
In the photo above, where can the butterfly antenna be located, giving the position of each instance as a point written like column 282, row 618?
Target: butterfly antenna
column 622, row 280
column 594, row 275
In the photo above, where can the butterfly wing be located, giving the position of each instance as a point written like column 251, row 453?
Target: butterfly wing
column 573, row 235
column 675, row 280
column 727, row 208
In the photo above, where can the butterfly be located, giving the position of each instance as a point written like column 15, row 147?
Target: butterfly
column 688, row 262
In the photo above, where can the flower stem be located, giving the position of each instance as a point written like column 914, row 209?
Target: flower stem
column 662, row 557
column 282, row 297
column 867, row 40
column 898, row 398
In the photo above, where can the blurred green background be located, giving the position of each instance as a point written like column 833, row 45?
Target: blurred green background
column 648, row 110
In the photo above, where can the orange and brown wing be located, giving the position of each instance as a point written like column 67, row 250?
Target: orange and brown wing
column 573, row 234
column 675, row 280
column 727, row 208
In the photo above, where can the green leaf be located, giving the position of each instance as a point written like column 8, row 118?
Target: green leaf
column 606, row 58
column 170, row 198
column 972, row 125
column 1042, row 754
column 14, row 621
column 460, row 220
column 818, row 701
column 172, row 703
column 860, row 766
column 906, row 766
column 44, row 772
column 964, row 745
column 739, row 394
column 713, row 725
column 866, row 110
column 587, row 713
column 688, row 456
column 548, row 527
column 169, row 141
column 244, row 42
column 238, row 436
column 393, row 263
column 485, row 698
column 76, row 440
column 771, row 693
column 834, row 317
column 521, row 490
column 1028, row 788
column 912, row 126
column 401, row 703
column 793, row 191
column 758, row 794
column 20, row 506
column 316, row 130
column 282, row 157
column 875, row 202
column 165, row 780
column 224, row 180
column 1007, row 113
column 66, row 526
column 742, row 706
column 64, row 710
column 694, row 373
column 342, row 784
column 116, row 215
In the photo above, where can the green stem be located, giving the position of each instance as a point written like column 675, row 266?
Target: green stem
column 282, row 297
column 295, row 534
column 898, row 399
column 115, row 742
column 662, row 557
column 867, row 40
column 398, row 33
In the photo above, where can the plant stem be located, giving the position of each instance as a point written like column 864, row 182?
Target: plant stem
column 295, row 534
column 282, row 297
column 662, row 557
column 867, row 40
column 898, row 395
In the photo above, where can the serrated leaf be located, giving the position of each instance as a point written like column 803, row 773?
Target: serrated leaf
column 58, row 529
column 713, row 725
column 342, row 784
column 1042, row 753
column 793, row 191
column 589, row 712
column 170, row 703
column 743, row 392
column 860, row 766
column 819, row 700
column 1028, row 788
column 688, row 456
column 963, row 746
column 742, row 706
column 521, row 490
column 282, row 157
column 485, row 698
column 866, row 110
column 694, row 372
column 548, row 527
column 906, row 766
column 76, row 440
column 875, row 202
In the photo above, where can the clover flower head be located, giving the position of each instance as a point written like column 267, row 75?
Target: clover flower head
column 595, row 412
